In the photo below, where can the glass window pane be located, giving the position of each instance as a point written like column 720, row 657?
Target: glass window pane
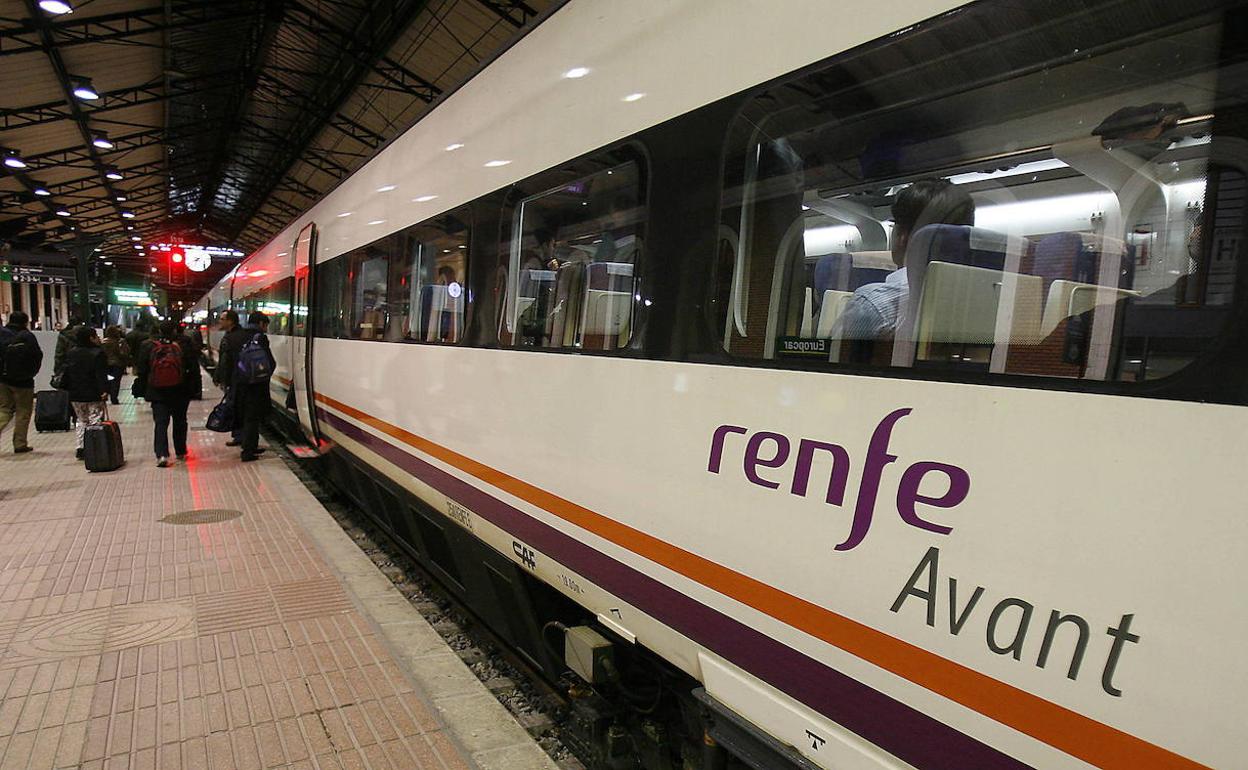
column 574, row 255
column 1003, row 206
column 429, row 294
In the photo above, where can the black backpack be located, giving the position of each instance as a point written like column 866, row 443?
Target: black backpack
column 19, row 359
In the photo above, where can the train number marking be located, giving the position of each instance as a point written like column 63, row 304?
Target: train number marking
column 815, row 741
column 571, row 584
column 525, row 554
column 459, row 514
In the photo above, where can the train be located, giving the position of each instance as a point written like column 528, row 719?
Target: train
column 824, row 387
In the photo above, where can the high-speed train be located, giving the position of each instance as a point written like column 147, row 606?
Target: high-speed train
column 838, row 387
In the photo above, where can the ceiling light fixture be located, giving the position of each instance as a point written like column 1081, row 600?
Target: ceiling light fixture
column 42, row 191
column 101, row 140
column 454, row 146
column 83, row 89
column 423, row 199
column 113, row 174
column 62, row 212
column 344, row 214
column 496, row 163
column 633, row 97
column 127, row 215
column 13, row 159
column 385, row 188
column 56, row 7
column 135, row 238
column 576, row 72
column 377, row 222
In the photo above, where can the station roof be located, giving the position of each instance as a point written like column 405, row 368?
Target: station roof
column 215, row 121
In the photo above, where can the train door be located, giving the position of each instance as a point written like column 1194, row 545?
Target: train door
column 304, row 255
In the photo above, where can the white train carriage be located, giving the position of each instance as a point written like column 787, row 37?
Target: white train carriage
column 879, row 374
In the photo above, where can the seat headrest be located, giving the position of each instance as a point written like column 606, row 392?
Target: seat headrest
column 957, row 244
column 828, row 272
column 1056, row 255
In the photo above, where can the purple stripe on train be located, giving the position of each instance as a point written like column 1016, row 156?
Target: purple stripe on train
column 904, row 732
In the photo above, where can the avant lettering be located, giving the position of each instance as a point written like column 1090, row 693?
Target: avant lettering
column 1009, row 623
column 765, row 451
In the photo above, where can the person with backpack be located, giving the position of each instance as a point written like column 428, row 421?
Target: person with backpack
column 20, row 359
column 117, row 353
column 166, row 364
column 253, row 368
column 84, row 373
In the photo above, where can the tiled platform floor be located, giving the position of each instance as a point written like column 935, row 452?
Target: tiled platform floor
column 265, row 640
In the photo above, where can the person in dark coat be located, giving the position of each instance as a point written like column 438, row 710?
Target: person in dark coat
column 169, row 402
column 118, row 354
column 65, row 342
column 227, row 360
column 85, row 375
column 137, row 336
column 17, row 390
column 252, row 398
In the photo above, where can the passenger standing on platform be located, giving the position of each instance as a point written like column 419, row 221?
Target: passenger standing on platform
column 65, row 342
column 85, row 376
column 117, row 352
column 20, row 359
column 227, row 359
column 136, row 337
column 166, row 365
column 252, row 372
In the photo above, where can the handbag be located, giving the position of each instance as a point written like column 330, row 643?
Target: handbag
column 58, row 381
column 221, row 418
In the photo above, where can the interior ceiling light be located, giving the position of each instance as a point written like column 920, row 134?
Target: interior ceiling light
column 56, row 7
column 452, row 147
column 113, row 174
column 496, row 163
column 385, row 188
column 101, row 140
column 127, row 214
column 633, row 97
column 13, row 160
column 42, row 191
column 135, row 238
column 107, row 262
column 423, row 199
column 120, row 198
column 83, row 89
column 576, row 72
column 62, row 212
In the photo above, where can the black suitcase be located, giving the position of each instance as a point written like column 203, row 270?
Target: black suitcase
column 52, row 410
column 101, row 445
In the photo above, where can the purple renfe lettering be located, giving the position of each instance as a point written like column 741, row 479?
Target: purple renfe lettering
column 717, row 445
column 752, row 460
column 908, row 493
column 872, row 470
column 840, row 470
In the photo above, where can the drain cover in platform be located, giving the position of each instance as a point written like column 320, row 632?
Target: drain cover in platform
column 202, row 516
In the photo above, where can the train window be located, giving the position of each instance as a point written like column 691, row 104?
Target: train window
column 427, row 291
column 1060, row 192
column 574, row 249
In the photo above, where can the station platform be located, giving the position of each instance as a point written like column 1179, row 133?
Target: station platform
column 214, row 615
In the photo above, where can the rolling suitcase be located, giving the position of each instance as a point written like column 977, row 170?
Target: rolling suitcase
column 52, row 410
column 102, row 448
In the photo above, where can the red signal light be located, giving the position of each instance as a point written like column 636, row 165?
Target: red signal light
column 177, row 256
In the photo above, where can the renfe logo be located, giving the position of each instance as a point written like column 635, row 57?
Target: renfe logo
column 765, row 449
